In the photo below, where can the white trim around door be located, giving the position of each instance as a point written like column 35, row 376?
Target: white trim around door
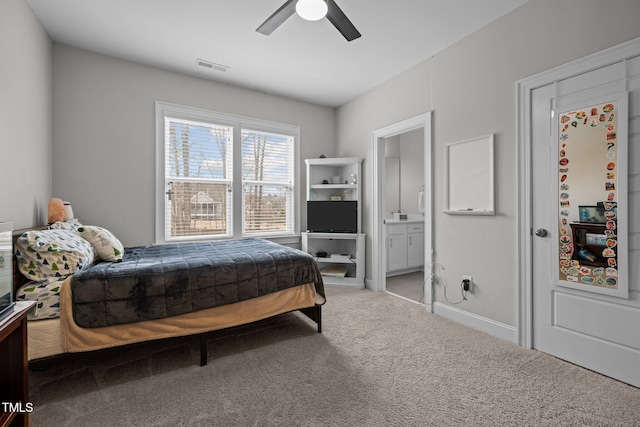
column 378, row 244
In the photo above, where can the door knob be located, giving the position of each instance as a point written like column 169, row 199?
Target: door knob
column 541, row 232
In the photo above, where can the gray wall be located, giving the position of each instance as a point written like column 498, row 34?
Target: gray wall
column 471, row 88
column 104, row 133
column 25, row 116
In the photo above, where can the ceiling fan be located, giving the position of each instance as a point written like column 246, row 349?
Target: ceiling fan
column 311, row 10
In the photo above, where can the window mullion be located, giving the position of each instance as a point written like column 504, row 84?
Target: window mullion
column 238, row 211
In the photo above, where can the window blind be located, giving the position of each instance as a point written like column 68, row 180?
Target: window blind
column 198, row 174
column 267, row 181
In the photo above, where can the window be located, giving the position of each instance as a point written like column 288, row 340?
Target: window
column 224, row 176
column 267, row 178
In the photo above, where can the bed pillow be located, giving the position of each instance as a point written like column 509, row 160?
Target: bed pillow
column 47, row 296
column 71, row 225
column 106, row 245
column 52, row 253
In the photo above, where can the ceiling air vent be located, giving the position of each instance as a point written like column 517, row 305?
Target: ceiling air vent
column 212, row 65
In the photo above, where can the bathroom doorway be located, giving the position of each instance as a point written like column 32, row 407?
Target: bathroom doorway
column 404, row 198
column 402, row 241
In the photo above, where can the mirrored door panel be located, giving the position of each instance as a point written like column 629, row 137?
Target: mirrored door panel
column 591, row 196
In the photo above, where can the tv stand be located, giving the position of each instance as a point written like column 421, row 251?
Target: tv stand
column 338, row 243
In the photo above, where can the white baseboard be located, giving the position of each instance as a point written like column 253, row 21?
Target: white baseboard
column 497, row 329
column 368, row 283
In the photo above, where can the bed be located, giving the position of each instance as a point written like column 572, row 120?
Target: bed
column 94, row 294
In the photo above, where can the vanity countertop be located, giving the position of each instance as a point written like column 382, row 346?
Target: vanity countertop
column 402, row 221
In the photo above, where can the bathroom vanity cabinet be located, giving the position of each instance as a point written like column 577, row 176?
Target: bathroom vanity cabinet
column 405, row 246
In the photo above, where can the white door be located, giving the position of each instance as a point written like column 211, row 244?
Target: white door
column 581, row 310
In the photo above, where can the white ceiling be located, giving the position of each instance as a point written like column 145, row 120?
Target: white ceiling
column 310, row 61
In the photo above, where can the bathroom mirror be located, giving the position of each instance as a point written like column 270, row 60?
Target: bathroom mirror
column 392, row 184
column 591, row 194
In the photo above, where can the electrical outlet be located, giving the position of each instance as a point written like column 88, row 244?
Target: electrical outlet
column 467, row 281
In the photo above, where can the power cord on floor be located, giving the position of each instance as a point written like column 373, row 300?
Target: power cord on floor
column 434, row 277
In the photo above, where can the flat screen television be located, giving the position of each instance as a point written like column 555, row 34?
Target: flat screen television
column 592, row 214
column 325, row 216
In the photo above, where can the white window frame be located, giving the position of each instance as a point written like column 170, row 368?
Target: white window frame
column 164, row 109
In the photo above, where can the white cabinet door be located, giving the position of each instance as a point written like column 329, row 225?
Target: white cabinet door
column 396, row 252
column 415, row 251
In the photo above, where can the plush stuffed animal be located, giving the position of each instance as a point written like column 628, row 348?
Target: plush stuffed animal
column 56, row 210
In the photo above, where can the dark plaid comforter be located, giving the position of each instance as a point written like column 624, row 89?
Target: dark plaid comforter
column 154, row 282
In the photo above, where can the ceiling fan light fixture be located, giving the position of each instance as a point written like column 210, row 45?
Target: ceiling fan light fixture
column 311, row 10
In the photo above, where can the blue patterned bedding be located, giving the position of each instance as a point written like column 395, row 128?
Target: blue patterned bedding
column 154, row 282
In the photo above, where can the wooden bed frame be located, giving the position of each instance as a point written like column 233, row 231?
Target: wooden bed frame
column 314, row 313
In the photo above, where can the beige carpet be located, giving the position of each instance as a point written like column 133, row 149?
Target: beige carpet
column 380, row 361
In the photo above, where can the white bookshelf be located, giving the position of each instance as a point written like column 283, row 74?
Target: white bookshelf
column 337, row 178
column 349, row 244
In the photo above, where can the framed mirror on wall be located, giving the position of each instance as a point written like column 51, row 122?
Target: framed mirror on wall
column 392, row 184
column 591, row 150
column 470, row 187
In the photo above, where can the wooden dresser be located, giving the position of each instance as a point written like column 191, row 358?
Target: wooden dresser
column 14, row 368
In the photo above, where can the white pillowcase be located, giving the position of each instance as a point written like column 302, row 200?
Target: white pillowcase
column 106, row 245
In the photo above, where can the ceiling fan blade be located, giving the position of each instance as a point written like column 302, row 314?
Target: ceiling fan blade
column 339, row 20
column 278, row 17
